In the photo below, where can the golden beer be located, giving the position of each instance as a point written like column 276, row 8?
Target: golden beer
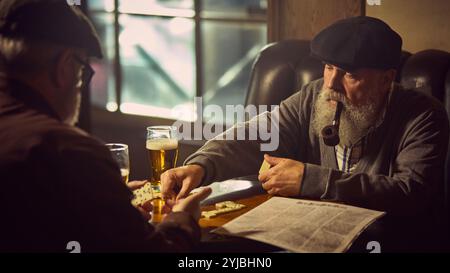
column 162, row 154
column 119, row 153
column 125, row 173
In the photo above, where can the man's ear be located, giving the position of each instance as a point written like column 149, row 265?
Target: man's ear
column 63, row 70
column 389, row 77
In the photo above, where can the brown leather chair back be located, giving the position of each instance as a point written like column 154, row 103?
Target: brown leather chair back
column 280, row 70
column 429, row 72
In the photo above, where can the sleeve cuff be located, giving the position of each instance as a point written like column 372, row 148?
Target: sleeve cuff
column 315, row 181
column 208, row 167
column 182, row 221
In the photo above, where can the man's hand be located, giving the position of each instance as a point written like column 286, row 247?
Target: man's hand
column 191, row 204
column 284, row 177
column 185, row 178
column 146, row 208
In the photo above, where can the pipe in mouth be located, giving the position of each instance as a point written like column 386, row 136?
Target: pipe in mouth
column 330, row 133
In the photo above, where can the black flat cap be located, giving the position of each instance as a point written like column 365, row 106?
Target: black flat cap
column 49, row 20
column 358, row 42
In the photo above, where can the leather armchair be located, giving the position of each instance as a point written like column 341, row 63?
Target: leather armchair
column 282, row 68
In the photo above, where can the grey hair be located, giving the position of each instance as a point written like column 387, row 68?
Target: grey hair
column 25, row 57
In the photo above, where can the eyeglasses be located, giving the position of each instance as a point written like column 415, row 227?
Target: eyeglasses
column 87, row 72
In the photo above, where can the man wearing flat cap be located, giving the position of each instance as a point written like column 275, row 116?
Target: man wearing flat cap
column 58, row 184
column 392, row 142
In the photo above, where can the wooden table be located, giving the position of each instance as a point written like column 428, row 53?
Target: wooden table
column 222, row 219
column 212, row 242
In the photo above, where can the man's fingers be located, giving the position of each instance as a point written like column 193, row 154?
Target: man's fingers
column 264, row 176
column 148, row 206
column 166, row 209
column 145, row 214
column 272, row 160
column 133, row 185
column 185, row 188
column 268, row 185
column 271, row 186
column 269, row 174
column 273, row 183
column 168, row 183
column 199, row 196
column 170, row 203
column 183, row 192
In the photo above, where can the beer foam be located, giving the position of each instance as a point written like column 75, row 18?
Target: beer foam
column 162, row 144
column 124, row 172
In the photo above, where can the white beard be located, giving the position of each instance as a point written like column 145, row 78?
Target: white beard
column 74, row 112
column 354, row 122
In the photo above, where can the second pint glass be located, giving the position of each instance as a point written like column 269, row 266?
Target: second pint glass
column 162, row 149
column 120, row 154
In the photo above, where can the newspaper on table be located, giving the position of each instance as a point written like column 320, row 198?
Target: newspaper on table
column 302, row 225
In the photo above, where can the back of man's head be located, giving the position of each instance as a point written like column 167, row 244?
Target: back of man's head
column 33, row 31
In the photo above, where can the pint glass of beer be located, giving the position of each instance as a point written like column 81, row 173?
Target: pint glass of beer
column 120, row 154
column 162, row 149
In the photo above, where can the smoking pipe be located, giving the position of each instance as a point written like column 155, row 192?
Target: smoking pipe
column 330, row 133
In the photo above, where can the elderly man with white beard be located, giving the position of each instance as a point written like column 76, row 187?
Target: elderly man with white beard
column 392, row 147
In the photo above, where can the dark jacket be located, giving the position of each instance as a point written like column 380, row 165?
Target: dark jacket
column 58, row 184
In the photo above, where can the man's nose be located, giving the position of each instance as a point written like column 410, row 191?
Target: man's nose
column 334, row 81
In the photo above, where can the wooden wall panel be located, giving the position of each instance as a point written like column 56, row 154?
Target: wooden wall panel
column 422, row 24
column 302, row 19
